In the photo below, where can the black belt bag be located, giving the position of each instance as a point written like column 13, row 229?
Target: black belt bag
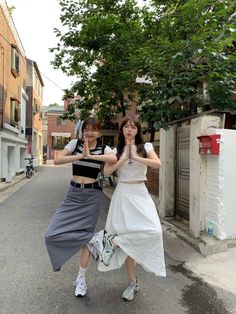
column 96, row 185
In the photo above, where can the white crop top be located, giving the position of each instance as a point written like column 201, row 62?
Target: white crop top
column 135, row 172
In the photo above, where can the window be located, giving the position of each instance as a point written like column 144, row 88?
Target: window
column 14, row 112
column 59, row 142
column 15, row 61
column 35, row 106
column 60, row 121
column 37, row 84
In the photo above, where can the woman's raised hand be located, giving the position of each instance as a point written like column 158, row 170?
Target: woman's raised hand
column 133, row 152
column 125, row 155
column 86, row 150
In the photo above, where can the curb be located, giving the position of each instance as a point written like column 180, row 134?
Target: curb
column 5, row 185
column 202, row 244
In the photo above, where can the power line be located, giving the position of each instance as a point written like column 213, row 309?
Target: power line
column 29, row 61
column 52, row 81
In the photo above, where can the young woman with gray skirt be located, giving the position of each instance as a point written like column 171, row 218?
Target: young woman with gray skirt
column 72, row 226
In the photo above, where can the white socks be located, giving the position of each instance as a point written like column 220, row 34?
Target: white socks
column 82, row 271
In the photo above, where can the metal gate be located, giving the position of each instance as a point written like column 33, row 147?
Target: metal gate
column 182, row 172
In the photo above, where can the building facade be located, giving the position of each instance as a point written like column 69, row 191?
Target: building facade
column 13, row 98
column 34, row 129
column 56, row 132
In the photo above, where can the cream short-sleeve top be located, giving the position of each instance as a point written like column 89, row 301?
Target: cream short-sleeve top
column 136, row 171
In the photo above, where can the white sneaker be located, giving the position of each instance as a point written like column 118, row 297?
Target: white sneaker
column 80, row 286
column 92, row 250
column 96, row 245
column 109, row 250
column 129, row 292
column 99, row 243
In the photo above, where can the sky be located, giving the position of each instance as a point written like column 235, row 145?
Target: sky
column 34, row 21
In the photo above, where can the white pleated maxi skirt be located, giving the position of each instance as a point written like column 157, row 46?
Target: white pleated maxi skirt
column 133, row 218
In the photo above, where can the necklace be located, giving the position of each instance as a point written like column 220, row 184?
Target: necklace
column 130, row 163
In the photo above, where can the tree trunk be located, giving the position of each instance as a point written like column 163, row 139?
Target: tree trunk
column 152, row 135
column 121, row 98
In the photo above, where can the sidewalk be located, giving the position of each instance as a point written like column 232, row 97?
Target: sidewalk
column 8, row 188
column 217, row 269
column 6, row 185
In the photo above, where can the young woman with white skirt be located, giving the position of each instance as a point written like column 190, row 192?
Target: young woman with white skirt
column 133, row 229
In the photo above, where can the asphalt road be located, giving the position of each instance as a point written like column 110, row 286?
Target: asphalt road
column 29, row 286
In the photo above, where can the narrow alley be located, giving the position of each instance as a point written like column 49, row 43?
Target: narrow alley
column 28, row 284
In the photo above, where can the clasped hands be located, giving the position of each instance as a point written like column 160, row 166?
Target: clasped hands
column 130, row 153
column 86, row 150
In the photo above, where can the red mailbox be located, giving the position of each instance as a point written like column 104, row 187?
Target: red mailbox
column 209, row 144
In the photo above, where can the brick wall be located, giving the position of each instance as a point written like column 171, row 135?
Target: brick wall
column 153, row 175
column 37, row 116
column 10, row 86
column 53, row 127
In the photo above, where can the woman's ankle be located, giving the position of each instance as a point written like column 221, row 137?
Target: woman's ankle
column 114, row 241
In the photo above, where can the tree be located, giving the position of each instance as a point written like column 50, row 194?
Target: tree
column 185, row 47
column 55, row 104
column 11, row 9
column 99, row 48
column 190, row 58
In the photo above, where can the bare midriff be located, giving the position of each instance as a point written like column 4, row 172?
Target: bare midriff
column 83, row 180
column 132, row 182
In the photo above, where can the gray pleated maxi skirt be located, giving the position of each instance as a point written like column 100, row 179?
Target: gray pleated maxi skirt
column 73, row 224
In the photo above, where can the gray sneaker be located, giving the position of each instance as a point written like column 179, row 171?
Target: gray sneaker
column 129, row 292
column 109, row 250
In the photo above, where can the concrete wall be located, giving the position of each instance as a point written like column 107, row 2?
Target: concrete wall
column 13, row 150
column 200, row 171
column 229, row 195
column 220, row 196
column 167, row 172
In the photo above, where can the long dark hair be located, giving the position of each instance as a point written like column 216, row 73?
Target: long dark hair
column 138, row 137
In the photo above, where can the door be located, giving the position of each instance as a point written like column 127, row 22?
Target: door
column 182, row 172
